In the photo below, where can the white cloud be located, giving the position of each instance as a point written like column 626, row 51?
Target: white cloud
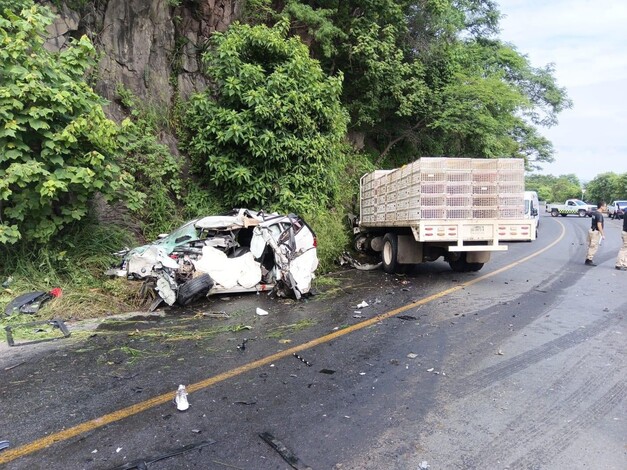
column 587, row 42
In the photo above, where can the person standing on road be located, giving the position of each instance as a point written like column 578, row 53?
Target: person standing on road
column 621, row 261
column 596, row 233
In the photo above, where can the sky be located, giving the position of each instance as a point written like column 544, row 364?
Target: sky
column 586, row 40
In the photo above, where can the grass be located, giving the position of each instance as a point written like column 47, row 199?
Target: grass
column 280, row 331
column 76, row 263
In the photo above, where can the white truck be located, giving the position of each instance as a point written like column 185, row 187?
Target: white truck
column 572, row 207
column 456, row 208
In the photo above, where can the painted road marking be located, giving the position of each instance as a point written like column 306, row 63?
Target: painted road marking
column 42, row 443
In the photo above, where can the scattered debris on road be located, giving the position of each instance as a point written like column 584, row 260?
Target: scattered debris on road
column 31, row 302
column 363, row 304
column 347, row 259
column 261, row 312
column 4, row 445
column 406, row 317
column 412, row 355
column 304, row 361
column 143, row 463
column 283, row 451
column 54, row 324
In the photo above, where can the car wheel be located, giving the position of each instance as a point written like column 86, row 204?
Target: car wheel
column 554, row 213
column 194, row 289
column 582, row 213
column 389, row 253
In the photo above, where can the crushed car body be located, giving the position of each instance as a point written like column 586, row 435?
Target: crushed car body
column 242, row 251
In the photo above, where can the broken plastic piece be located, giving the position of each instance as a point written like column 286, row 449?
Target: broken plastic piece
column 181, row 399
column 55, row 323
column 4, row 445
column 364, row 304
column 30, row 302
column 283, row 451
column 261, row 311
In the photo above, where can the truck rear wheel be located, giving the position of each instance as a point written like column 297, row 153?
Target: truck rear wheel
column 389, row 253
column 459, row 265
column 554, row 213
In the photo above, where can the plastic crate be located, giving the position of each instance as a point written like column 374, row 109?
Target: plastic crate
column 511, row 164
column 511, row 200
column 485, row 201
column 485, row 213
column 459, row 188
column 481, row 176
column 414, row 214
column 459, row 164
column 432, row 176
column 432, row 188
column 459, row 201
column 455, row 176
column 432, row 200
column 433, row 212
column 512, row 212
column 511, row 176
column 459, row 213
column 510, row 188
column 437, row 163
column 484, row 189
column 485, row 164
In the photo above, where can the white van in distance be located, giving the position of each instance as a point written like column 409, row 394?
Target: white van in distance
column 532, row 207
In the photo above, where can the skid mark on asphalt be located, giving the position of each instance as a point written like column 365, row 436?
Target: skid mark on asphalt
column 539, row 421
column 563, row 437
column 486, row 377
column 39, row 444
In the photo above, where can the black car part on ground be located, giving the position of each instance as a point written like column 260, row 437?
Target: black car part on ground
column 55, row 323
column 194, row 289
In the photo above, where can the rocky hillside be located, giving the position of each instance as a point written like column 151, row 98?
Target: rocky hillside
column 150, row 47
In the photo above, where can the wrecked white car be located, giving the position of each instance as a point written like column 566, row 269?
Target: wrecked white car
column 242, row 251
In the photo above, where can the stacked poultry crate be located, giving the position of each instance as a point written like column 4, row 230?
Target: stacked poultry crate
column 444, row 188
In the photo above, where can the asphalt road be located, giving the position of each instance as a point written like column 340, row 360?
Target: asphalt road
column 518, row 366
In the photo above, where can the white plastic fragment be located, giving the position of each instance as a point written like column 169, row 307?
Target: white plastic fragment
column 423, row 465
column 181, row 398
column 117, row 451
column 412, row 355
column 261, row 311
column 430, row 370
column 363, row 304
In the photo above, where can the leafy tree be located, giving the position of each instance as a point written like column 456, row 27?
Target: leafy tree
column 57, row 148
column 605, row 187
column 427, row 77
column 14, row 5
column 270, row 133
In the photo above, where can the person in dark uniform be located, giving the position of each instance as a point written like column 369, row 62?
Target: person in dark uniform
column 621, row 261
column 596, row 232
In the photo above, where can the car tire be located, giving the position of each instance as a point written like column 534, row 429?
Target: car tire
column 389, row 253
column 563, row 215
column 194, row 289
column 554, row 213
column 582, row 213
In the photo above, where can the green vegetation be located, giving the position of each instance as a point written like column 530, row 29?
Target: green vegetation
column 554, row 189
column 607, row 187
column 288, row 91
column 269, row 134
column 57, row 147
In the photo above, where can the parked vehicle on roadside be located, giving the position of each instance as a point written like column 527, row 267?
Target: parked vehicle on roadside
column 241, row 251
column 571, row 207
column 616, row 210
column 456, row 208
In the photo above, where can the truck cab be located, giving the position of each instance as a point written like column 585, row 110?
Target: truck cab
column 532, row 207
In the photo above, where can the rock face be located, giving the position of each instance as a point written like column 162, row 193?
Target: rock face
column 150, row 47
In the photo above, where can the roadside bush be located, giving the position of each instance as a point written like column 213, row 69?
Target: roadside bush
column 57, row 148
column 270, row 132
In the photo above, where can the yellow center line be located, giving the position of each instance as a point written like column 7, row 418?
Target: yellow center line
column 39, row 444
